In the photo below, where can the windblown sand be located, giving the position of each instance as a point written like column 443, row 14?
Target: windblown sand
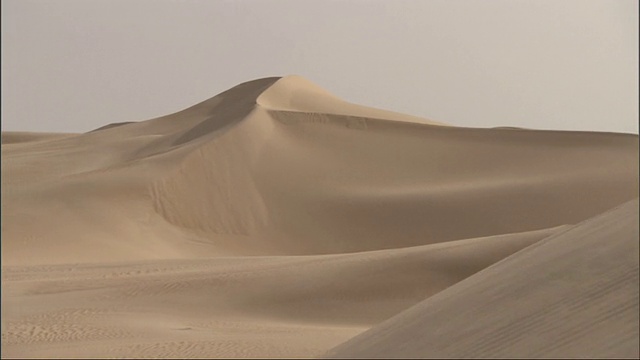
column 276, row 220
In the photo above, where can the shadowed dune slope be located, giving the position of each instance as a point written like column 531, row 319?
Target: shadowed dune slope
column 572, row 295
column 279, row 166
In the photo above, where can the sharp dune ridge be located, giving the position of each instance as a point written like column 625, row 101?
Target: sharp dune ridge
column 277, row 220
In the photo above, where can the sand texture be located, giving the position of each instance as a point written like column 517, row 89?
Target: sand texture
column 277, row 220
column 571, row 295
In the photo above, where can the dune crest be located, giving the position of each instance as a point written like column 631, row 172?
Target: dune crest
column 294, row 93
column 274, row 219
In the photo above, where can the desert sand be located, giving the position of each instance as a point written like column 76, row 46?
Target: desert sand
column 533, row 304
column 277, row 220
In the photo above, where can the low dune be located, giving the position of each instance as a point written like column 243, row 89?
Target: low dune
column 278, row 220
column 17, row 137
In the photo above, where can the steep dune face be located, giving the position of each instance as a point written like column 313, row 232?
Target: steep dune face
column 572, row 295
column 297, row 94
column 72, row 185
column 279, row 166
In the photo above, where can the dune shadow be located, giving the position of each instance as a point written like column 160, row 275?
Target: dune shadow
column 230, row 107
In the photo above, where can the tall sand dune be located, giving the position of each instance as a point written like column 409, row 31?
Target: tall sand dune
column 248, row 172
column 276, row 219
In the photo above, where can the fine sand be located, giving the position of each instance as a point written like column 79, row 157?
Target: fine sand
column 571, row 295
column 276, row 220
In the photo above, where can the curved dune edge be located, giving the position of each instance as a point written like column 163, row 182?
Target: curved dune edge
column 572, row 295
column 297, row 94
column 273, row 220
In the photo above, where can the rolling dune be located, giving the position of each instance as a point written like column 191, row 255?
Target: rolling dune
column 278, row 220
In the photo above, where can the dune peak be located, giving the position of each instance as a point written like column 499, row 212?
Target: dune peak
column 294, row 92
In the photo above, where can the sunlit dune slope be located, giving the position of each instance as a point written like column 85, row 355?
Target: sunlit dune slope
column 571, row 295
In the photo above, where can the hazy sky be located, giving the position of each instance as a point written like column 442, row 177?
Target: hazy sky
column 75, row 65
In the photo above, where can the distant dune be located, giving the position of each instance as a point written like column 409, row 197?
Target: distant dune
column 16, row 137
column 277, row 220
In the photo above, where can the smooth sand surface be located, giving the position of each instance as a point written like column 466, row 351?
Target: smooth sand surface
column 571, row 295
column 276, row 220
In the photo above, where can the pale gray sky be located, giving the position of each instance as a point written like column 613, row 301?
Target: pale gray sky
column 75, row 65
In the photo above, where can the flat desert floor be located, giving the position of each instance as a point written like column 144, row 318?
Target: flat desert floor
column 277, row 220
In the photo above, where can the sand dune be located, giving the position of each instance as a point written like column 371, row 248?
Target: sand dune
column 274, row 219
column 571, row 295
column 16, row 137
